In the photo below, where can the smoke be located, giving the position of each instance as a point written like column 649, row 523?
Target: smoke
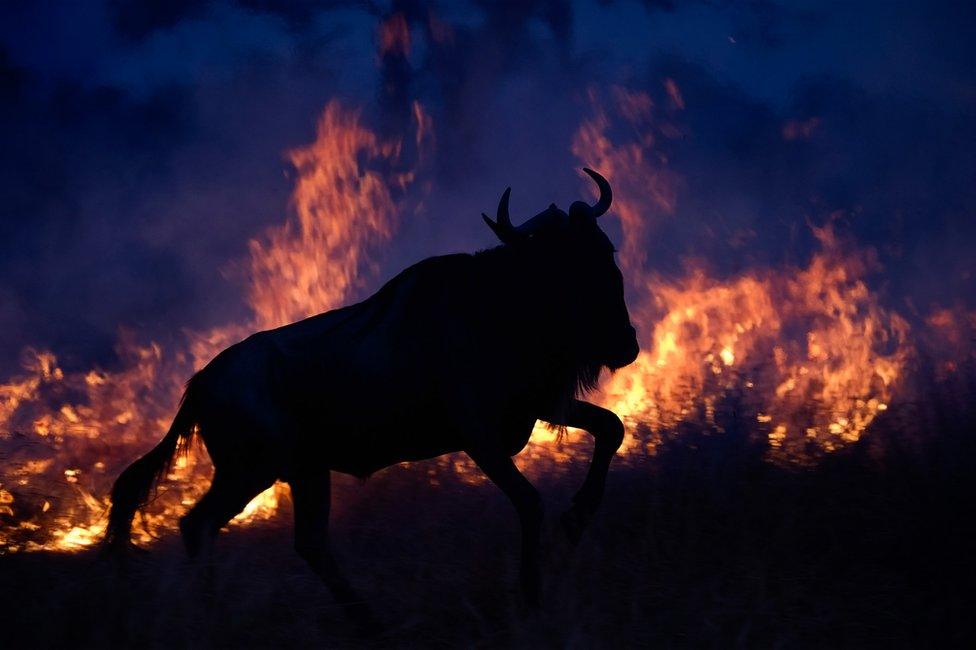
column 145, row 143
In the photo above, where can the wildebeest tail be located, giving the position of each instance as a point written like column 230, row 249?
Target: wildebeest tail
column 134, row 485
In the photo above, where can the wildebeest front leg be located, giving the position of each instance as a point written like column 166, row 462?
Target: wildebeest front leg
column 528, row 504
column 608, row 433
column 311, row 496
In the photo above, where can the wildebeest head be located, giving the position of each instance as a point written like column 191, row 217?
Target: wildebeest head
column 574, row 260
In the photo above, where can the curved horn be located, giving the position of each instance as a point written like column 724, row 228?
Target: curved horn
column 501, row 214
column 606, row 194
column 507, row 233
column 502, row 226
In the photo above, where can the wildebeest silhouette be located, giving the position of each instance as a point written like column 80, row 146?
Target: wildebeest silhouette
column 456, row 353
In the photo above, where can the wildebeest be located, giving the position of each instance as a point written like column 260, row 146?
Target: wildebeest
column 456, row 353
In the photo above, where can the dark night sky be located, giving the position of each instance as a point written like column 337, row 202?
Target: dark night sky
column 143, row 142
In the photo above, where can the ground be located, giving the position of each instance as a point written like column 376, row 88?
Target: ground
column 704, row 544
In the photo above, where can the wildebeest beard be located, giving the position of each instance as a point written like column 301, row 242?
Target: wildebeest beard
column 583, row 378
column 569, row 378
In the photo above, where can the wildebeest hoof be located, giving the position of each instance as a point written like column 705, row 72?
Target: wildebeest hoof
column 119, row 553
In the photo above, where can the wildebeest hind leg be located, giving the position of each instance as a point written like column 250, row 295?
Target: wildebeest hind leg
column 608, row 433
column 311, row 494
column 528, row 504
column 229, row 493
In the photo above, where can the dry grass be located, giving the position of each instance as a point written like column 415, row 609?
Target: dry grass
column 704, row 544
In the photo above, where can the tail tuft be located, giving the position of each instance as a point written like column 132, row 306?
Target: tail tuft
column 134, row 485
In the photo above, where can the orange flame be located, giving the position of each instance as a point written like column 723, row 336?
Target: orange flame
column 950, row 340
column 394, row 36
column 644, row 188
column 809, row 353
column 344, row 206
column 73, row 432
column 815, row 352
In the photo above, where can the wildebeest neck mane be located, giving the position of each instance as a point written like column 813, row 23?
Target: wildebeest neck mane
column 533, row 296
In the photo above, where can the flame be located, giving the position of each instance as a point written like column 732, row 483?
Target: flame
column 394, row 36
column 41, row 368
column 674, row 93
column 950, row 340
column 344, row 204
column 72, row 433
column 810, row 349
column 644, row 188
column 807, row 353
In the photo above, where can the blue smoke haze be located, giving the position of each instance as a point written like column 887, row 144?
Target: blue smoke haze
column 143, row 141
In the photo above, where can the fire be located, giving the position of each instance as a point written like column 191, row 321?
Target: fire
column 41, row 367
column 394, row 36
column 809, row 350
column 807, row 355
column 344, row 203
column 950, row 340
column 644, row 188
column 72, row 433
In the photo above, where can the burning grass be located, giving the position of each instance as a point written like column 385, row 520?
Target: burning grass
column 65, row 436
column 810, row 352
column 797, row 464
column 704, row 543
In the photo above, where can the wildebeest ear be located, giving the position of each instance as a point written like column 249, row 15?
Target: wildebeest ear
column 580, row 213
column 495, row 229
column 502, row 226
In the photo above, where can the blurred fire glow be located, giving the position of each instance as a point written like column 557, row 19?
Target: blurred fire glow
column 808, row 352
